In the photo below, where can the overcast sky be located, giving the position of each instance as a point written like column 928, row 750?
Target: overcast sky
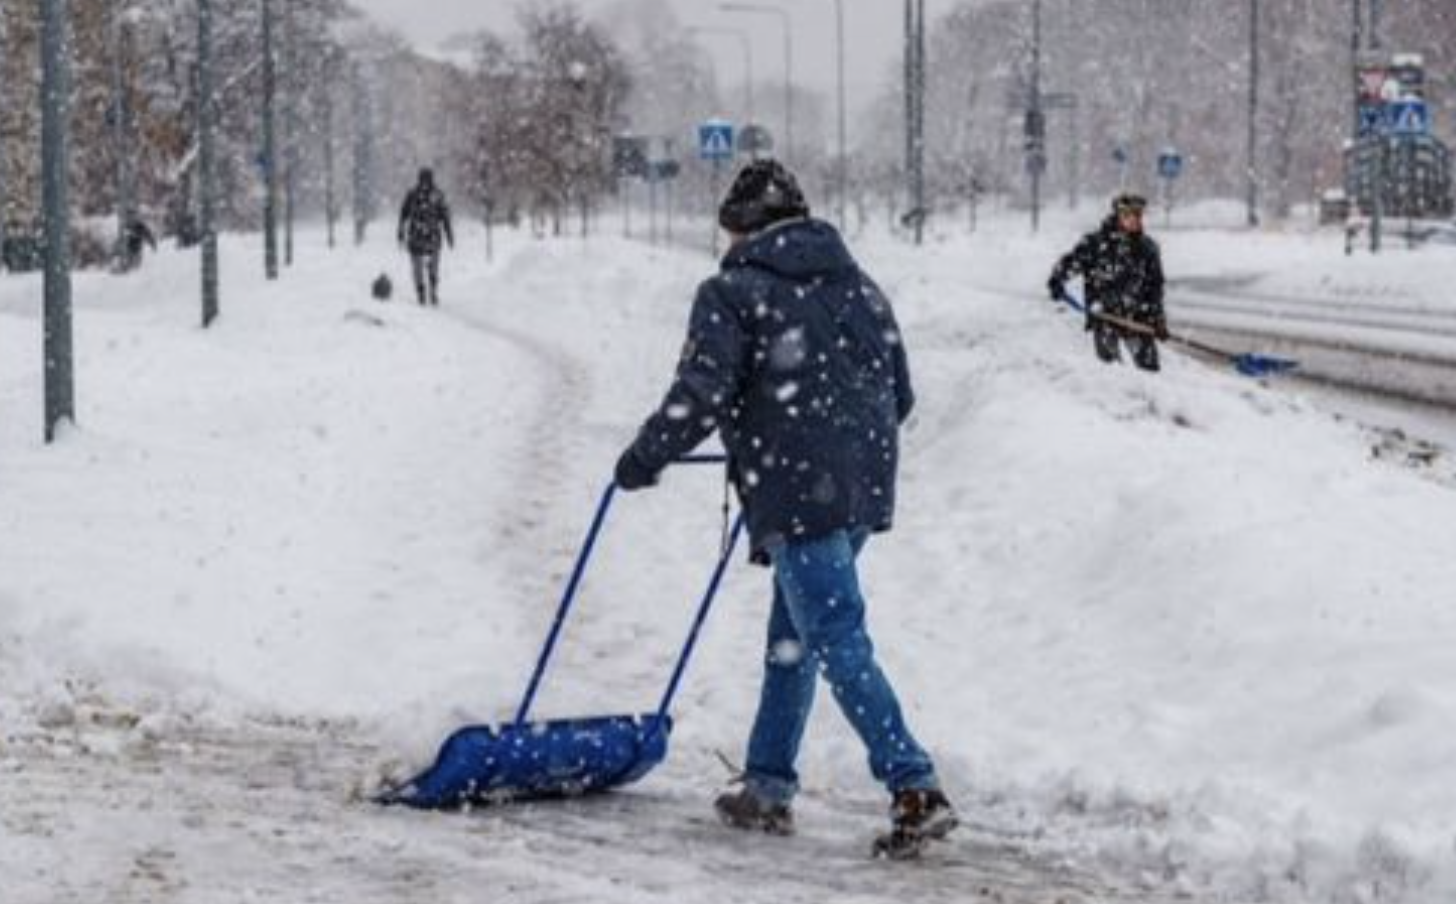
column 873, row 30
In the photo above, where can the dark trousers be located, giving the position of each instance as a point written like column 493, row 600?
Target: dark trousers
column 426, row 264
column 1107, row 339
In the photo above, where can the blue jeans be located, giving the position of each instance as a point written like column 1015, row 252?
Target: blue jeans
column 818, row 622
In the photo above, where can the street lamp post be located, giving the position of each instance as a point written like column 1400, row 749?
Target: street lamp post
column 121, row 138
column 4, row 80
column 787, row 24
column 842, row 169
column 206, row 181
column 1252, row 149
column 747, row 49
column 270, row 148
column 60, row 393
column 1037, row 158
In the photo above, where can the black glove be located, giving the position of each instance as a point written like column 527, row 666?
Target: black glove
column 1160, row 329
column 1057, row 288
column 631, row 474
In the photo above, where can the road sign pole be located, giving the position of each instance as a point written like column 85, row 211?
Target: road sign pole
column 206, row 175
column 713, row 199
column 60, row 392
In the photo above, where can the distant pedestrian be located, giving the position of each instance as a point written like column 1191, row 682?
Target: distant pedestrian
column 1122, row 276
column 793, row 355
column 423, row 221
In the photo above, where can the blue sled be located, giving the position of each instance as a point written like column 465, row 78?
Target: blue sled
column 523, row 760
column 564, row 758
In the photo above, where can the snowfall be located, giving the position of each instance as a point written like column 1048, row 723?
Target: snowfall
column 1183, row 636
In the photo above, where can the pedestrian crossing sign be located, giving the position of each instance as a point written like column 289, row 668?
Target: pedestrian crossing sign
column 715, row 140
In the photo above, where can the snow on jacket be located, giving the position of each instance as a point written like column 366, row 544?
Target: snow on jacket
column 423, row 219
column 794, row 356
column 1121, row 271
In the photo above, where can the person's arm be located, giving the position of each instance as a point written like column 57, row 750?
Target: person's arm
column 1071, row 264
column 404, row 215
column 704, row 388
column 445, row 220
column 899, row 358
column 904, row 392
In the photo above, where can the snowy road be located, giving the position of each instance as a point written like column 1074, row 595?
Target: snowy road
column 1405, row 351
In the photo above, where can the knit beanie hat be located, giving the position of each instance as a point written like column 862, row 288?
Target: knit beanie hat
column 763, row 193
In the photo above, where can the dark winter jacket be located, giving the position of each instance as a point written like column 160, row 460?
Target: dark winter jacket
column 1122, row 272
column 423, row 219
column 794, row 356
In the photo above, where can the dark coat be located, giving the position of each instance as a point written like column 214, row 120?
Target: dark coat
column 424, row 219
column 1122, row 272
column 794, row 356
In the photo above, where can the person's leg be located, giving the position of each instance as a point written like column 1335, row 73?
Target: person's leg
column 783, row 709
column 417, row 267
column 1145, row 353
column 822, row 594
column 1104, row 341
column 435, row 276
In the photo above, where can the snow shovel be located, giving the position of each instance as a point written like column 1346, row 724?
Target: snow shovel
column 523, row 760
column 1248, row 363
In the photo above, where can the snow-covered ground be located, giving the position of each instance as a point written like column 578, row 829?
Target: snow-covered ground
column 1166, row 634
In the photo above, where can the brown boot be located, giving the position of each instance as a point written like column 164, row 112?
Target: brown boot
column 743, row 809
column 918, row 816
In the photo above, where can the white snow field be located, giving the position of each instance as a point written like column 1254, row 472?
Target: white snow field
column 1170, row 637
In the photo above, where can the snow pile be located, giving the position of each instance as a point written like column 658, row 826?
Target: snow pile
column 1180, row 627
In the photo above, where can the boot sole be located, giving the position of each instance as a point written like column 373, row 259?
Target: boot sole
column 754, row 825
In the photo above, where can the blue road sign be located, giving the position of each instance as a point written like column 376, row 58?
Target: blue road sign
column 1372, row 119
column 1408, row 117
column 1170, row 164
column 715, row 140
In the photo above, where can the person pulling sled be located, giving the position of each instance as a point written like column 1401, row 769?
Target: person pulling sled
column 793, row 355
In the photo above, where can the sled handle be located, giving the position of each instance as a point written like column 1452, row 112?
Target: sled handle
column 569, row 596
column 702, row 616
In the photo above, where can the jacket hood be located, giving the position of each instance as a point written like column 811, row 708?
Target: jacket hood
column 799, row 250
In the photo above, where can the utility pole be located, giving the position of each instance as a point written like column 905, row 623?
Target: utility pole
column 4, row 105
column 915, row 114
column 291, row 85
column 121, row 138
column 363, row 157
column 921, row 212
column 746, row 47
column 1035, row 120
column 206, row 185
column 1356, row 27
column 60, row 390
column 326, row 112
column 1253, row 137
column 1074, row 153
column 270, row 148
column 787, row 25
column 841, row 168
column 1377, row 214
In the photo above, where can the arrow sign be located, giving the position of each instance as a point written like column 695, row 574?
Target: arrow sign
column 715, row 140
